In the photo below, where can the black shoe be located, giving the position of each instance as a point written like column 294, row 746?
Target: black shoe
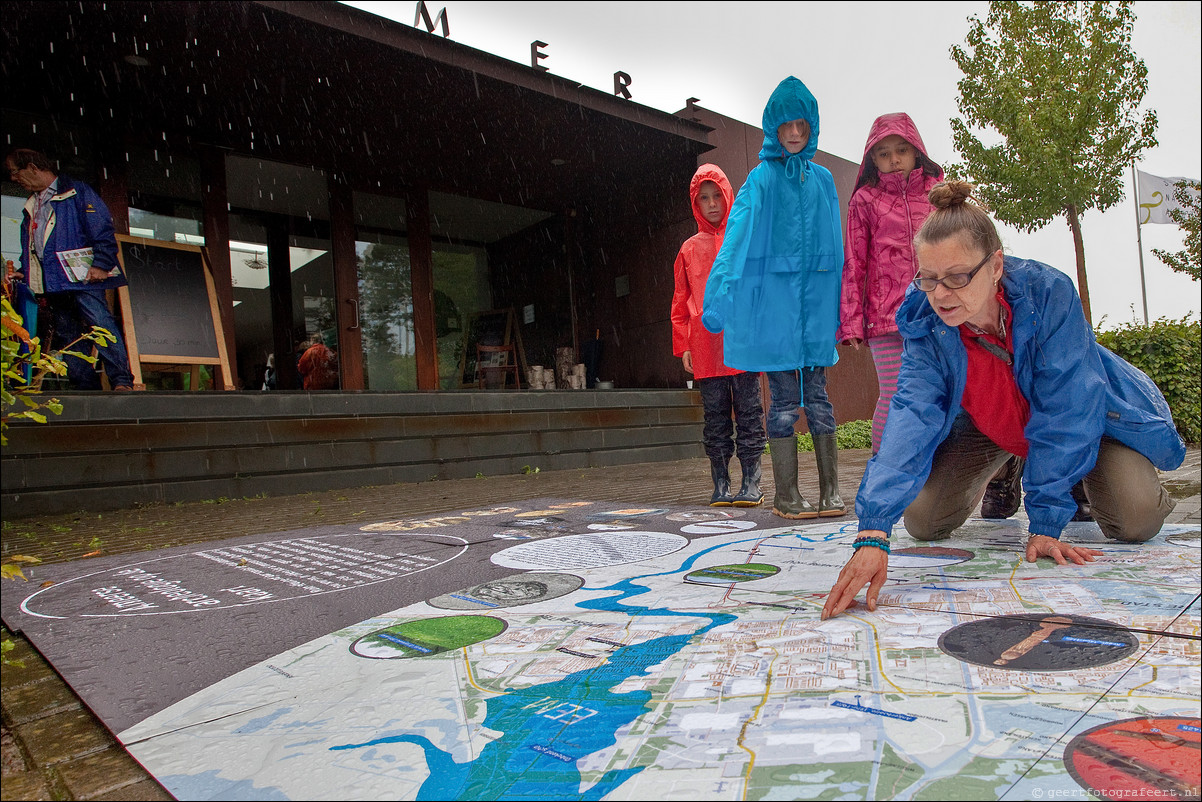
column 1005, row 491
column 1084, row 511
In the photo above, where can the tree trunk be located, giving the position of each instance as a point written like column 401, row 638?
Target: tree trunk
column 1074, row 223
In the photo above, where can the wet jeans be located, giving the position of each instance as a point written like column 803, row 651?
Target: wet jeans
column 740, row 393
column 76, row 312
column 787, row 389
column 1124, row 490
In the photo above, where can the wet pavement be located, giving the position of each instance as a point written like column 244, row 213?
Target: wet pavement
column 54, row 748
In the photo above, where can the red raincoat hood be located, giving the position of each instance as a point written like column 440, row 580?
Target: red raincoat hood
column 898, row 123
column 710, row 172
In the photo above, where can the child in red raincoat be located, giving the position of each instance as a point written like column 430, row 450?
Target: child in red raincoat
column 723, row 389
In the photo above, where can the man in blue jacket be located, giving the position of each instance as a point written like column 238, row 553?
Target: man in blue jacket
column 64, row 216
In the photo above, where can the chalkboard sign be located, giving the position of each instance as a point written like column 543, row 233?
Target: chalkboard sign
column 494, row 327
column 170, row 306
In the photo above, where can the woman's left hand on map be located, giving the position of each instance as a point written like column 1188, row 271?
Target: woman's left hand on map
column 1044, row 546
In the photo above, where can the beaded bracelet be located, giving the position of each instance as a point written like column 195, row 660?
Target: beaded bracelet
column 878, row 542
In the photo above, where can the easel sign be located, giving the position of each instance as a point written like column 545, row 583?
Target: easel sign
column 494, row 327
column 169, row 308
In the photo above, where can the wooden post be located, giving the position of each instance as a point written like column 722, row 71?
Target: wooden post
column 346, row 285
column 421, row 266
column 280, row 269
column 216, row 222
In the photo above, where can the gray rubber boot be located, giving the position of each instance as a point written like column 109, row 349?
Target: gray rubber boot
column 826, row 452
column 750, row 494
column 720, row 472
column 788, row 502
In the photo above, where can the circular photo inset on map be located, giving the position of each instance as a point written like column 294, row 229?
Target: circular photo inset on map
column 726, row 574
column 718, row 527
column 512, row 591
column 427, row 636
column 1038, row 642
column 928, row 557
column 592, row 550
column 1138, row 758
column 708, row 514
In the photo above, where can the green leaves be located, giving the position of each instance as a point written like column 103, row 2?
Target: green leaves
column 23, row 372
column 1189, row 259
column 1060, row 86
column 1059, row 83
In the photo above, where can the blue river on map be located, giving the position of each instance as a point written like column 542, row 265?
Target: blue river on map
column 536, row 756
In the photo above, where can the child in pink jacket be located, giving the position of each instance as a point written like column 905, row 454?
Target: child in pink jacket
column 723, row 389
column 887, row 207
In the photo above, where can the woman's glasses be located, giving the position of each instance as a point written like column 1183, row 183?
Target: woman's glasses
column 953, row 281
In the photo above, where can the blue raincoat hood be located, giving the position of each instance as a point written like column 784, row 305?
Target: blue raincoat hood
column 791, row 100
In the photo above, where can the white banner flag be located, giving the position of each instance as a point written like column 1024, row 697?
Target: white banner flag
column 1156, row 197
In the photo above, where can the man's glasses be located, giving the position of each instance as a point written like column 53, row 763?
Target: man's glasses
column 953, row 281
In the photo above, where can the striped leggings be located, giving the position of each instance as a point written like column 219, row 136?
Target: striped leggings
column 886, row 354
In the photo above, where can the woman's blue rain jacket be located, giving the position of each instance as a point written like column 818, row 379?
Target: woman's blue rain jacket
column 1077, row 391
column 774, row 288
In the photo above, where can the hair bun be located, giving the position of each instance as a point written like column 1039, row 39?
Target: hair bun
column 946, row 194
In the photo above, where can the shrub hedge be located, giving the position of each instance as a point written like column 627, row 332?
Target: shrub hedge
column 1170, row 352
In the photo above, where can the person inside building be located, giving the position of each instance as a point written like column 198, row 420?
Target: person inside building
column 69, row 258
column 318, row 366
column 999, row 360
column 774, row 292
column 723, row 390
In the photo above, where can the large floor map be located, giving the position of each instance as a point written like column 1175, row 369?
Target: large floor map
column 597, row 652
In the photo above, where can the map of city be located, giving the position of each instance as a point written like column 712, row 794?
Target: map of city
column 642, row 653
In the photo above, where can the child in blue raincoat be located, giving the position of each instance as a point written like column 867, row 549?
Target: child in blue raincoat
column 774, row 292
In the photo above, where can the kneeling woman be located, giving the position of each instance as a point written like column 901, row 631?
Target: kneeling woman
column 999, row 360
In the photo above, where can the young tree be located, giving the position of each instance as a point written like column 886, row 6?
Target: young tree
column 1189, row 259
column 1059, row 82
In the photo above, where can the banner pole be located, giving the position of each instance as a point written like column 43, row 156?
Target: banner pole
column 1143, row 288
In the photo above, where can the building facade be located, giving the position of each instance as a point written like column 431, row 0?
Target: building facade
column 370, row 182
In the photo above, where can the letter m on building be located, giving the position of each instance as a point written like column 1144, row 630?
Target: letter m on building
column 423, row 15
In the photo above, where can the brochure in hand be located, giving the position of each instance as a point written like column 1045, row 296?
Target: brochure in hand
column 76, row 263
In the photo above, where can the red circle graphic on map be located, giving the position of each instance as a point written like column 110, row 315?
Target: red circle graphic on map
column 1138, row 758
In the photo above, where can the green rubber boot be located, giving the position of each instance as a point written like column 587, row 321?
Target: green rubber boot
column 826, row 452
column 788, row 502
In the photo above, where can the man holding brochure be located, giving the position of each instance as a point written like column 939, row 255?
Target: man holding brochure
column 69, row 257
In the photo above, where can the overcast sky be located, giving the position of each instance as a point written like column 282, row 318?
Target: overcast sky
column 860, row 60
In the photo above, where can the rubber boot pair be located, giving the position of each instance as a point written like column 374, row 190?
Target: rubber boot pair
column 749, row 494
column 789, row 502
column 1005, row 490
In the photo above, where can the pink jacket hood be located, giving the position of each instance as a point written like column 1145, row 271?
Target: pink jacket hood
column 898, row 123
column 710, row 172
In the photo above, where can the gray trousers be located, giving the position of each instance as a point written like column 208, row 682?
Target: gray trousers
column 1124, row 490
